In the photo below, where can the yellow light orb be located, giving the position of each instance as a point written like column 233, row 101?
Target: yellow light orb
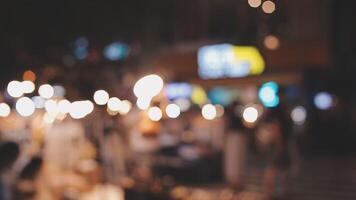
column 198, row 95
column 254, row 3
column 268, row 7
column 25, row 106
column 46, row 91
column 154, row 113
column 101, row 97
column 208, row 112
column 5, row 110
column 172, row 110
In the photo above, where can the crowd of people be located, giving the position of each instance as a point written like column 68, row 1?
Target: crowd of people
column 105, row 157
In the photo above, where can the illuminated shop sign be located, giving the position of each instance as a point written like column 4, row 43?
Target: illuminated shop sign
column 178, row 90
column 229, row 61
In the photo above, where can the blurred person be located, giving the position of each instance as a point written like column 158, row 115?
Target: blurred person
column 235, row 147
column 26, row 183
column 276, row 137
column 9, row 152
column 113, row 155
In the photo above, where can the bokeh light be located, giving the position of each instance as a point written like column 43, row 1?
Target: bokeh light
column 27, row 87
column 101, row 97
column 25, row 106
column 80, row 109
column 5, row 110
column 172, row 110
column 116, row 51
column 208, row 112
column 64, row 106
column 323, row 100
column 154, row 113
column 299, row 115
column 268, row 7
column 250, row 114
column 271, row 42
column 51, row 107
column 143, row 103
column 254, row 3
column 184, row 104
column 199, row 96
column 114, row 104
column 125, row 107
column 14, row 89
column 148, row 86
column 268, row 94
column 29, row 76
column 46, row 91
column 38, row 101
column 59, row 91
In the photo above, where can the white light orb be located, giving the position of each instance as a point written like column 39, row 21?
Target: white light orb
column 39, row 101
column 125, row 107
column 299, row 115
column 184, row 104
column 148, row 86
column 208, row 112
column 114, row 104
column 323, row 100
column 250, row 114
column 143, row 103
column 4, row 110
column 80, row 109
column 51, row 107
column 46, row 91
column 64, row 106
column 101, row 97
column 25, row 106
column 14, row 89
column 172, row 110
column 154, row 113
column 27, row 87
column 59, row 91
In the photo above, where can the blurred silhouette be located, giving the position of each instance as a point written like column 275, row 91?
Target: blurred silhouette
column 279, row 127
column 235, row 147
column 9, row 152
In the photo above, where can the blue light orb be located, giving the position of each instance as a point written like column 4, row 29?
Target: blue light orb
column 116, row 51
column 323, row 100
column 81, row 53
column 268, row 94
column 220, row 96
column 81, row 42
column 178, row 90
